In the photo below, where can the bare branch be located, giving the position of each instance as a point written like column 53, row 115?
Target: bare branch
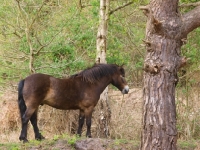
column 39, row 10
column 15, row 57
column 184, row 40
column 183, row 62
column 81, row 5
column 42, row 46
column 153, row 69
column 147, row 42
column 191, row 20
column 120, row 7
column 145, row 9
column 14, row 27
column 22, row 11
column 62, row 65
column 190, row 4
column 9, row 67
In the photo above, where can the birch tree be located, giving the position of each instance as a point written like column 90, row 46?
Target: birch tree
column 101, row 45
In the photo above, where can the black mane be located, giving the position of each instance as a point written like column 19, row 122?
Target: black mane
column 96, row 72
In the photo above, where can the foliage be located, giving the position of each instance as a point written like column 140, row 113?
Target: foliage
column 63, row 42
column 72, row 140
column 59, row 46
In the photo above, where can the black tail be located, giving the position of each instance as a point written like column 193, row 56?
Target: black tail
column 21, row 102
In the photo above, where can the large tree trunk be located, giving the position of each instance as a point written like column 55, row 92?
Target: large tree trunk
column 105, row 113
column 166, row 32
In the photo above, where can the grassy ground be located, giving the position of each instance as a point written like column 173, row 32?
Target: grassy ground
column 64, row 143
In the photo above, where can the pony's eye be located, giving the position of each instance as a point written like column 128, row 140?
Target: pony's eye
column 123, row 78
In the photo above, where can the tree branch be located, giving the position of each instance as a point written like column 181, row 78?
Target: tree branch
column 81, row 5
column 191, row 20
column 145, row 10
column 21, row 10
column 44, row 45
column 37, row 15
column 190, row 4
column 120, row 7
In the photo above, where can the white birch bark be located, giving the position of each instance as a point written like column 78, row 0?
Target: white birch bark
column 101, row 45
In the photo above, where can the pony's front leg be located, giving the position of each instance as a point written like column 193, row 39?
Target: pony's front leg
column 88, row 116
column 80, row 122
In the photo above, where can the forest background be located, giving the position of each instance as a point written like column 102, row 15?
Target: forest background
column 58, row 37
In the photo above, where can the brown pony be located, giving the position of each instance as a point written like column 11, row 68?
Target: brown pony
column 80, row 91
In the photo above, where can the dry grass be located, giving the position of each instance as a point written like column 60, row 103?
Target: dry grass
column 55, row 122
column 126, row 114
column 9, row 117
column 125, row 118
column 188, row 113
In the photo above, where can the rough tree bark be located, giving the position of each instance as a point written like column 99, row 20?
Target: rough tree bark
column 105, row 113
column 166, row 32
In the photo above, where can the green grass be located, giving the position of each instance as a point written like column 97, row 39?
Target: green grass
column 187, row 145
column 10, row 146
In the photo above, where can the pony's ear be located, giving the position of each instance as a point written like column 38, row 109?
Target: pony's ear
column 122, row 66
column 122, row 70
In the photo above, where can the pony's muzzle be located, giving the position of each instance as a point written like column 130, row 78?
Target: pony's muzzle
column 125, row 90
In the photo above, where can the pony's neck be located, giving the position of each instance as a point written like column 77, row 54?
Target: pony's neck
column 103, row 83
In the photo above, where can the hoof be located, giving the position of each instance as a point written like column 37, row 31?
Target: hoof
column 23, row 139
column 40, row 137
column 88, row 136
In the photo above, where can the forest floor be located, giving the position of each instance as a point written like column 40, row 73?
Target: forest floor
column 88, row 144
column 63, row 144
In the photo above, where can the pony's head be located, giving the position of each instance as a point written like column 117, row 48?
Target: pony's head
column 119, row 81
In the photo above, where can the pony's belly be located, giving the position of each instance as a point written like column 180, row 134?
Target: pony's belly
column 60, row 104
column 51, row 101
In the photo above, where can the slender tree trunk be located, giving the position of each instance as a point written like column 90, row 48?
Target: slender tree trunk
column 165, row 34
column 101, row 44
column 31, row 52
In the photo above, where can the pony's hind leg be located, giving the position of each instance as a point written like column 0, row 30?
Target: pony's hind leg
column 33, row 119
column 25, row 119
column 80, row 122
column 22, row 109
